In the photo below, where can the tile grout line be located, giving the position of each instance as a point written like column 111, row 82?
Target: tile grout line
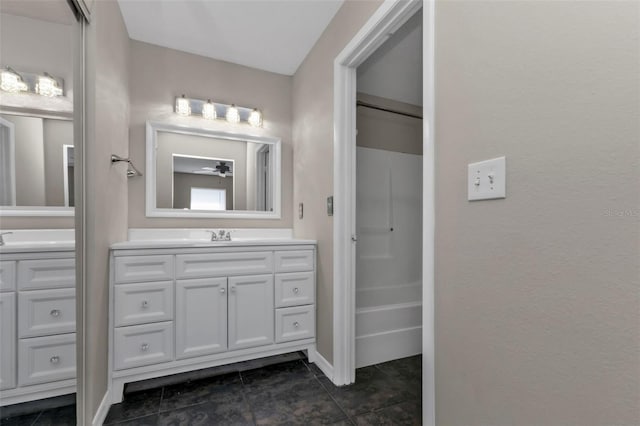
column 334, row 400
column 37, row 417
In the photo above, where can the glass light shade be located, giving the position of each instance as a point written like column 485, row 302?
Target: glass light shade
column 209, row 111
column 12, row 82
column 255, row 118
column 233, row 115
column 48, row 86
column 182, row 106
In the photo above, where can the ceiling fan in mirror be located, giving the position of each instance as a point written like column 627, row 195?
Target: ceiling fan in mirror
column 221, row 169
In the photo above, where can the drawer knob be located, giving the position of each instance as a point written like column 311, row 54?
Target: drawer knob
column 295, row 290
column 54, row 359
column 222, row 290
column 296, row 324
column 145, row 304
column 144, row 347
column 55, row 313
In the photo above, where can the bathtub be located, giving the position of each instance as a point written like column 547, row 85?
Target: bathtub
column 388, row 323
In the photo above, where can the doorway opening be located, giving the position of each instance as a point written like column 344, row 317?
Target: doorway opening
column 388, row 19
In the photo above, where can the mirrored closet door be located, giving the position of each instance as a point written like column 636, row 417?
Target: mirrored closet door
column 40, row 179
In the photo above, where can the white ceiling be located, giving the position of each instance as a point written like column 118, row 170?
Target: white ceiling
column 271, row 35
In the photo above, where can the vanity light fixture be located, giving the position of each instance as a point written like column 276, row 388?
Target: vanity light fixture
column 255, row 118
column 182, row 106
column 214, row 111
column 209, row 110
column 233, row 115
column 11, row 81
column 48, row 86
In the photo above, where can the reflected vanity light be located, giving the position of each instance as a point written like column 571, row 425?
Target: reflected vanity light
column 182, row 106
column 41, row 84
column 11, row 81
column 233, row 115
column 48, row 86
column 211, row 111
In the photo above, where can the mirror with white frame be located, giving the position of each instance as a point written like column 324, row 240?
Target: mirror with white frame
column 197, row 172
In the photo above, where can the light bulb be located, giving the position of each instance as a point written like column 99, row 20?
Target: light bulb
column 233, row 115
column 48, row 86
column 209, row 110
column 10, row 81
column 255, row 118
column 182, row 106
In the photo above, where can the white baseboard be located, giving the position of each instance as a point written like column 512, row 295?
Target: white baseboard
column 322, row 364
column 103, row 410
column 382, row 347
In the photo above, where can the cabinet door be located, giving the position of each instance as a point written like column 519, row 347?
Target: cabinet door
column 251, row 311
column 201, row 317
column 8, row 346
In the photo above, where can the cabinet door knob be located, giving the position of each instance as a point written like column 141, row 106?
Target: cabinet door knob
column 144, row 347
column 55, row 313
column 222, row 290
column 54, row 359
column 296, row 325
column 295, row 290
column 145, row 304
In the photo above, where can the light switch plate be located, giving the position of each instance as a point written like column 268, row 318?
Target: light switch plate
column 487, row 180
column 330, row 206
column 300, row 211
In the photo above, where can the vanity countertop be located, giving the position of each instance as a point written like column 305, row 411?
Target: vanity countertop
column 37, row 246
column 189, row 243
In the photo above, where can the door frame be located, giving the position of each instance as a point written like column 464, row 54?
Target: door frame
column 390, row 16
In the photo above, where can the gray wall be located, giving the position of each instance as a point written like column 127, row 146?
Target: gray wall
column 538, row 295
column 175, row 143
column 158, row 75
column 107, row 99
column 313, row 158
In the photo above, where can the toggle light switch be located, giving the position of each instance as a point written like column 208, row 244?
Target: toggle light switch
column 487, row 179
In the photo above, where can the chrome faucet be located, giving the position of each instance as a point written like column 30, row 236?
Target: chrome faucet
column 1, row 239
column 224, row 235
column 214, row 236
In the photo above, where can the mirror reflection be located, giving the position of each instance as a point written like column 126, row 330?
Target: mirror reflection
column 197, row 171
column 36, row 158
column 36, row 108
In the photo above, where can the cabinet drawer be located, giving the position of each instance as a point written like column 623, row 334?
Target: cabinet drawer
column 46, row 273
column 143, row 268
column 46, row 312
column 223, row 264
column 9, row 341
column 140, row 345
column 143, row 303
column 293, row 289
column 295, row 323
column 294, row 261
column 7, row 275
column 47, row 359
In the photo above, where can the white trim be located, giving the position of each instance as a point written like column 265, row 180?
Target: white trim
column 65, row 172
column 12, row 157
column 428, row 214
column 322, row 363
column 391, row 15
column 102, row 411
column 152, row 129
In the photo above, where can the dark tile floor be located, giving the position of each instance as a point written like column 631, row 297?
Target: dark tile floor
column 289, row 393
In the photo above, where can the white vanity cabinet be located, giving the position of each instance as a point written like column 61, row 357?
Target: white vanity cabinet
column 37, row 324
column 180, row 307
